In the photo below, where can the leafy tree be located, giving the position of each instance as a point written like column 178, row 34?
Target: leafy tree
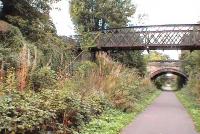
column 154, row 55
column 27, row 24
column 191, row 62
column 10, row 44
column 33, row 20
column 90, row 15
column 27, row 13
column 191, row 66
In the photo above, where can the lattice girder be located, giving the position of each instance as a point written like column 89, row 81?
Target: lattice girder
column 178, row 36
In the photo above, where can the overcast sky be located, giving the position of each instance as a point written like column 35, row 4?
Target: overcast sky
column 157, row 11
column 169, row 11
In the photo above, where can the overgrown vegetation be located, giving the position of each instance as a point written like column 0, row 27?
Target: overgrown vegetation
column 191, row 66
column 90, row 15
column 190, row 95
column 156, row 56
column 192, row 105
column 113, row 121
column 72, row 102
column 37, row 93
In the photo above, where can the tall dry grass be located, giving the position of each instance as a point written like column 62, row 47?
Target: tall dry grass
column 121, row 86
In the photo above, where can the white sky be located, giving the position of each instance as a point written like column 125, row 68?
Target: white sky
column 158, row 12
column 61, row 18
column 169, row 11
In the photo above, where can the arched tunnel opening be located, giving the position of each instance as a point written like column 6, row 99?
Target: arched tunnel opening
column 169, row 80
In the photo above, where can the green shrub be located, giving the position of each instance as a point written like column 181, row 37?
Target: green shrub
column 21, row 113
column 112, row 121
column 43, row 78
column 85, row 67
column 10, row 83
column 68, row 107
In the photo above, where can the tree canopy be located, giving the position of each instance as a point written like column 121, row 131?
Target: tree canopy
column 31, row 17
column 90, row 15
column 154, row 55
column 36, row 30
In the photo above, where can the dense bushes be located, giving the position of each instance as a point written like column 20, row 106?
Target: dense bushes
column 29, row 57
column 70, row 105
column 190, row 95
column 194, row 85
column 112, row 121
column 43, row 78
column 36, row 92
column 120, row 85
column 22, row 112
column 191, row 66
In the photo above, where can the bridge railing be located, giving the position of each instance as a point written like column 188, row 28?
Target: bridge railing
column 164, row 35
column 180, row 36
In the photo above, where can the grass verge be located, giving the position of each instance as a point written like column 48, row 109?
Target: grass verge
column 191, row 105
column 113, row 120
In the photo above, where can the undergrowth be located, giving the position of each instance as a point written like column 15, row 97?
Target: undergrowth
column 114, row 120
column 65, row 106
column 190, row 102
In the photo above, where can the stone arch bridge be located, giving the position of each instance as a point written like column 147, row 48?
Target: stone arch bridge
column 159, row 67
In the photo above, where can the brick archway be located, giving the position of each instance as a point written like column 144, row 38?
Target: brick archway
column 157, row 68
column 162, row 71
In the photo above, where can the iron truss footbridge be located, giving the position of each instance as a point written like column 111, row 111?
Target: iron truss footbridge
column 151, row 37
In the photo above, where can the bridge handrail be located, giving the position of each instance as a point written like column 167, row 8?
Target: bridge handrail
column 150, row 26
column 150, row 37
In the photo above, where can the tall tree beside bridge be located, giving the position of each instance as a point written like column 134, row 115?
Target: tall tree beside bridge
column 92, row 15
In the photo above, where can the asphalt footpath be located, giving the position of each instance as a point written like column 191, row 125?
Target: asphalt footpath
column 166, row 115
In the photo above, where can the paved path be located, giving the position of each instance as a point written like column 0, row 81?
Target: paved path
column 165, row 116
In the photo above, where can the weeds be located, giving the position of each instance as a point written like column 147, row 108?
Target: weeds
column 192, row 105
column 66, row 108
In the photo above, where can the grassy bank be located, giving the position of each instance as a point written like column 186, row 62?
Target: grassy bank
column 113, row 120
column 190, row 103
